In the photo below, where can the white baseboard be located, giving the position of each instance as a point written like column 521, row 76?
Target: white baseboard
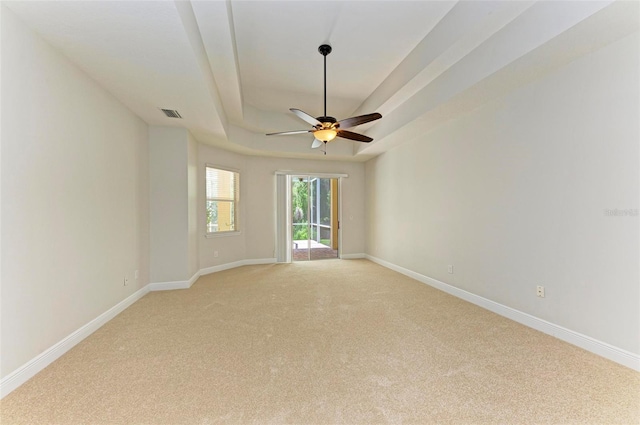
column 178, row 284
column 227, row 266
column 595, row 346
column 29, row 369
column 352, row 256
column 186, row 284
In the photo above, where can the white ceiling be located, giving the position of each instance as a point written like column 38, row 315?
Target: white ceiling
column 234, row 68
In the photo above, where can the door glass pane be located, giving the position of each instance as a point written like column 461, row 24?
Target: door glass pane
column 299, row 215
column 321, row 246
column 313, row 212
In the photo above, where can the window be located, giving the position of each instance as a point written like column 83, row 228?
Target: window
column 222, row 200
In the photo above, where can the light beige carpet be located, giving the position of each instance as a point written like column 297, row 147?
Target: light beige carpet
column 321, row 343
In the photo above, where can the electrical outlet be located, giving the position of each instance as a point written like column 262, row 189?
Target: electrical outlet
column 540, row 291
column 136, row 274
column 450, row 269
column 215, row 254
column 126, row 281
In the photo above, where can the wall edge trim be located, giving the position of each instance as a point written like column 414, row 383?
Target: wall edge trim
column 352, row 256
column 233, row 265
column 178, row 284
column 585, row 342
column 25, row 372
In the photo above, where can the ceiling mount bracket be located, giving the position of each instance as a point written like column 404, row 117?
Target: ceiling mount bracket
column 324, row 49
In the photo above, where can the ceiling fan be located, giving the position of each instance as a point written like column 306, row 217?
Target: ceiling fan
column 327, row 128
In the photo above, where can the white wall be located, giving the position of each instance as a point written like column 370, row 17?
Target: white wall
column 192, row 195
column 168, row 162
column 256, row 239
column 74, row 197
column 1, row 35
column 513, row 195
column 173, row 174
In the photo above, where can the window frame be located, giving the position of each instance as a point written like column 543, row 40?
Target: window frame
column 235, row 202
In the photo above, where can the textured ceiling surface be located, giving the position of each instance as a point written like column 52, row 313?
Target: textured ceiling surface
column 234, row 68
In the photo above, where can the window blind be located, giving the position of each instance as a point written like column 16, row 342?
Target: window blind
column 222, row 192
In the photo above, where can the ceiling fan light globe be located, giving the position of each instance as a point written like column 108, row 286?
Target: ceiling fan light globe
column 326, row 135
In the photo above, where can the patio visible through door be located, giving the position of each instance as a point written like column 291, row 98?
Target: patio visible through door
column 314, row 213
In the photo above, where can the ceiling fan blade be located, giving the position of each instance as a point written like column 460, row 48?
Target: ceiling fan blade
column 316, row 143
column 354, row 136
column 362, row 119
column 306, row 117
column 282, row 133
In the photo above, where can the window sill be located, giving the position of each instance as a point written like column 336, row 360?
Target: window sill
column 222, row 234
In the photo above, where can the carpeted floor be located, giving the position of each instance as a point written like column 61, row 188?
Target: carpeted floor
column 321, row 343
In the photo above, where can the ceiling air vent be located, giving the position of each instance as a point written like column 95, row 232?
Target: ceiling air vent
column 171, row 113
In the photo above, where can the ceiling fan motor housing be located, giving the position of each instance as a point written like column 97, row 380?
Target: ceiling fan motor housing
column 329, row 120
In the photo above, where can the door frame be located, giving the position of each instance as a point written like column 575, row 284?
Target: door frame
column 283, row 212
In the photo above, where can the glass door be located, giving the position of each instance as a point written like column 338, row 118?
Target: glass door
column 314, row 215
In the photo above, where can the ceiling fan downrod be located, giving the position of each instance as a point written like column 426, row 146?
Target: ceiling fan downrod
column 324, row 50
